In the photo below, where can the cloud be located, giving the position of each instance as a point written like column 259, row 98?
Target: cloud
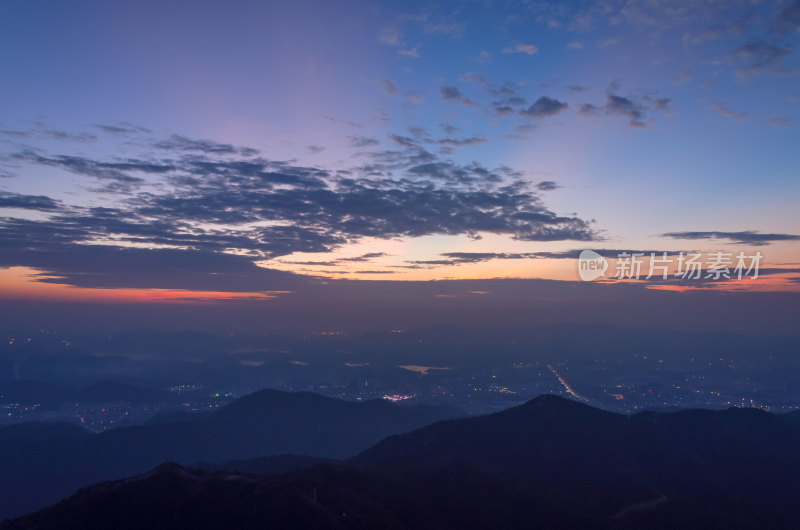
column 124, row 129
column 448, row 128
column 125, row 173
column 362, row 141
column 728, row 113
column 41, row 130
column 315, row 149
column 625, row 107
column 109, row 267
column 27, row 202
column 634, row 108
column 460, row 142
column 664, row 104
column 344, row 122
column 734, row 27
column 528, row 49
column 182, row 143
column 460, row 258
column 544, row 107
column 574, row 45
column 365, row 257
column 63, row 135
column 484, row 57
column 369, row 256
column 404, row 141
column 489, row 88
column 682, row 78
column 409, row 52
column 758, row 58
column 453, row 29
column 739, row 238
column 786, row 19
column 214, row 202
column 547, row 185
column 607, row 43
column 390, row 35
column 451, row 94
column 781, row 122
column 388, row 87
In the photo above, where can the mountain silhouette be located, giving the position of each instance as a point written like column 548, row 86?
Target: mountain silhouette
column 41, row 470
column 549, row 463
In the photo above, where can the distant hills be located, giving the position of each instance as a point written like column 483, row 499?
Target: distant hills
column 549, row 463
column 41, row 464
column 49, row 395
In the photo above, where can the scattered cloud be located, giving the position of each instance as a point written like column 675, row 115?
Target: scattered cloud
column 547, row 185
column 229, row 210
column 460, row 142
column 451, row 94
column 786, row 19
column 409, row 52
column 781, row 122
column 365, row 257
column 635, row 108
column 344, row 122
column 758, row 58
column 126, row 175
column 747, row 237
column 27, row 202
column 528, row 49
column 182, row 143
column 460, row 258
column 388, row 87
column 453, row 29
column 728, row 113
column 718, row 31
column 544, row 107
column 391, row 36
column 607, row 43
column 362, row 141
column 123, row 129
column 682, row 78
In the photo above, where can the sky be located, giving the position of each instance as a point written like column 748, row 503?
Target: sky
column 273, row 155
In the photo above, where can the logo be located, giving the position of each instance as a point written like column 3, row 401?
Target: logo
column 591, row 265
column 718, row 266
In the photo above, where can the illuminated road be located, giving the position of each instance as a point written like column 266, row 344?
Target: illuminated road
column 566, row 386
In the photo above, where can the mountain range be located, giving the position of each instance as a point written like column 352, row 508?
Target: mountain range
column 42, row 463
column 549, row 463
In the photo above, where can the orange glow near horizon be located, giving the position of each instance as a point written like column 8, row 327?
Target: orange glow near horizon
column 22, row 283
column 772, row 283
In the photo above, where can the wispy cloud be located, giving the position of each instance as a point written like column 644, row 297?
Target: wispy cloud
column 746, row 237
column 528, row 49
column 728, row 113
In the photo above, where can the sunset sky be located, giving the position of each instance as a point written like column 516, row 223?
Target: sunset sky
column 185, row 151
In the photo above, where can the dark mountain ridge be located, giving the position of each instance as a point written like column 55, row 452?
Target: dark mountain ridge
column 549, row 463
column 40, row 471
